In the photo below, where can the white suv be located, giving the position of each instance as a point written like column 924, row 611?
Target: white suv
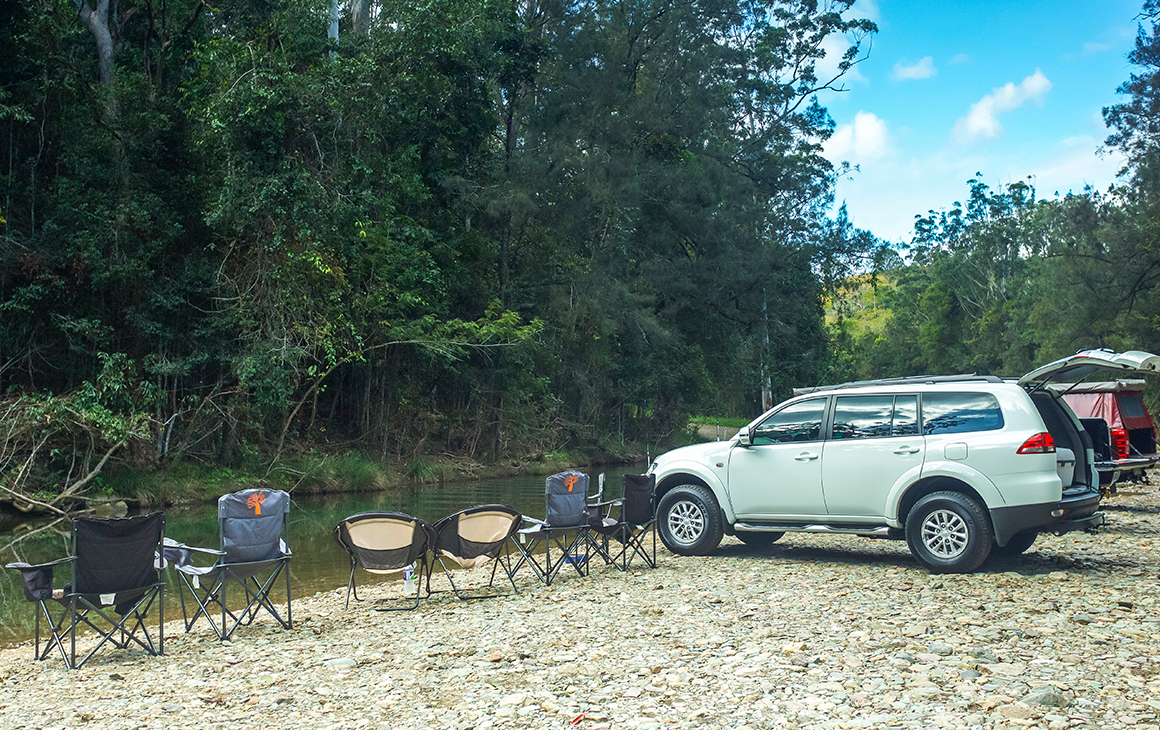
column 958, row 466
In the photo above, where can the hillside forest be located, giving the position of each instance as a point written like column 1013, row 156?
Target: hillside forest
column 277, row 239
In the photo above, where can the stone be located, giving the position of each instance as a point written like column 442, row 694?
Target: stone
column 1046, row 696
column 1016, row 712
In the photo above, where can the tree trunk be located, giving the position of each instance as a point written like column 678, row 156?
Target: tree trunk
column 360, row 16
column 97, row 21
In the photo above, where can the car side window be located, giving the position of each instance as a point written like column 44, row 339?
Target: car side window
column 863, row 416
column 875, row 416
column 960, row 413
column 798, row 422
column 905, row 415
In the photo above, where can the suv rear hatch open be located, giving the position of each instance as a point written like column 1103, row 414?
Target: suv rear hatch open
column 1074, row 370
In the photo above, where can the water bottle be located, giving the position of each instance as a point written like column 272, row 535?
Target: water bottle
column 410, row 588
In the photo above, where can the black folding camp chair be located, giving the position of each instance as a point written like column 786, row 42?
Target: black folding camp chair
column 564, row 528
column 383, row 543
column 621, row 538
column 253, row 553
column 115, row 570
column 472, row 537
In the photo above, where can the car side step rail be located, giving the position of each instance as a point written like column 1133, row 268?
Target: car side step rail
column 865, row 531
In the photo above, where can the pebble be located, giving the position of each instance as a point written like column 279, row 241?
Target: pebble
column 814, row 632
column 1048, row 696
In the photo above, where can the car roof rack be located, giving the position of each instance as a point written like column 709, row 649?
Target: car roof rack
column 908, row 380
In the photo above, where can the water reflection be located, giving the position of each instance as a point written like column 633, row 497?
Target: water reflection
column 319, row 564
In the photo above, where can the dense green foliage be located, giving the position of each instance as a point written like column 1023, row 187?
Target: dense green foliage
column 489, row 229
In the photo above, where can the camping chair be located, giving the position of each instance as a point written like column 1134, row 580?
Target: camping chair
column 254, row 530
column 633, row 525
column 115, row 570
column 472, row 537
column 386, row 542
column 565, row 527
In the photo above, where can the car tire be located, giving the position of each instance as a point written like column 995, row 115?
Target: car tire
column 1017, row 545
column 758, row 539
column 689, row 520
column 948, row 532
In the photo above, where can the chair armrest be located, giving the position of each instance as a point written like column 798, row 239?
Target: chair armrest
column 23, row 567
column 180, row 554
column 608, row 503
column 37, row 579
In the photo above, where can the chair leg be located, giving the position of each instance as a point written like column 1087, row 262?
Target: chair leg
column 527, row 556
column 289, row 601
column 447, row 574
column 350, row 587
column 503, row 560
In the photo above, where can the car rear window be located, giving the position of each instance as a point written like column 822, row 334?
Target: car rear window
column 872, row 416
column 960, row 413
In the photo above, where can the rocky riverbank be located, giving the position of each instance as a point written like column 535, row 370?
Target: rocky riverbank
column 813, row 631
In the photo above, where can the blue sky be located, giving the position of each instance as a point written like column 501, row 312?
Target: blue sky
column 951, row 88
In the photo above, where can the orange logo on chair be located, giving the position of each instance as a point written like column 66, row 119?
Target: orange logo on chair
column 571, row 480
column 255, row 502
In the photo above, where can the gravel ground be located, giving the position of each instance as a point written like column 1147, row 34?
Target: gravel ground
column 812, row 632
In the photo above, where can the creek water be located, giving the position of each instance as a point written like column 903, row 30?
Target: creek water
column 319, row 563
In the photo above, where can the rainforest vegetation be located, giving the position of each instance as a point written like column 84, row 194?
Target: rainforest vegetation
column 273, row 237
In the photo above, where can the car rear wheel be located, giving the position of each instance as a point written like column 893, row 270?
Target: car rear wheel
column 948, row 532
column 690, row 520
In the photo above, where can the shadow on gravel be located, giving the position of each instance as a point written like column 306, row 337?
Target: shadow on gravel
column 807, row 553
column 1031, row 564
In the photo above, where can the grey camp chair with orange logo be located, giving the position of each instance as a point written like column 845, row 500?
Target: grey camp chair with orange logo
column 254, row 552
column 473, row 537
column 384, row 543
column 564, row 530
column 115, row 571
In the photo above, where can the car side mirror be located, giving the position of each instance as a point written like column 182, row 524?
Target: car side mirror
column 744, row 438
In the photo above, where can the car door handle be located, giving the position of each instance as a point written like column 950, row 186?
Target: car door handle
column 906, row 450
column 805, row 456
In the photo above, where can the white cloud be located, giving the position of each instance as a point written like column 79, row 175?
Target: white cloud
column 1072, row 164
column 863, row 140
column 1092, row 47
column 835, row 48
column 865, row 10
column 924, row 69
column 884, row 198
column 983, row 118
column 959, row 58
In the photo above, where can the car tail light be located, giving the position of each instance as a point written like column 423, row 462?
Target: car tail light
column 1040, row 443
column 1119, row 443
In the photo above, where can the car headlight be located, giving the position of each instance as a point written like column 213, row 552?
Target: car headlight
column 651, row 468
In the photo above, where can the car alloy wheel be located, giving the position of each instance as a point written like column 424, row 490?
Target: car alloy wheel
column 945, row 534
column 686, row 522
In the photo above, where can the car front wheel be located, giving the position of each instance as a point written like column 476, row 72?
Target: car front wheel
column 948, row 532
column 690, row 520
